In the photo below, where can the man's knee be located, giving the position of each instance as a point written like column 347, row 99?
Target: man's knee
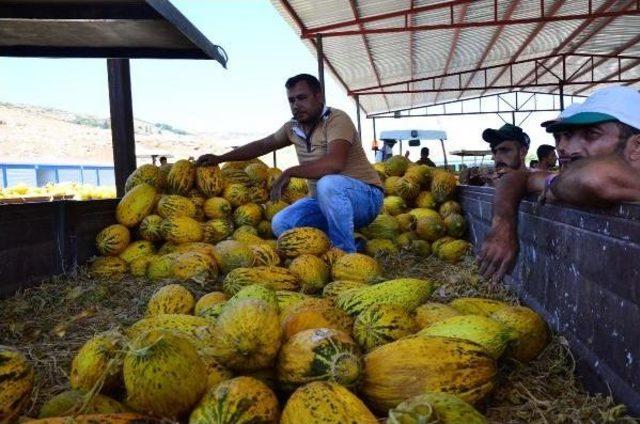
column 279, row 224
column 329, row 185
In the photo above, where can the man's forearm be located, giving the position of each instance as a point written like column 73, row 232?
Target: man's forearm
column 250, row 151
column 510, row 189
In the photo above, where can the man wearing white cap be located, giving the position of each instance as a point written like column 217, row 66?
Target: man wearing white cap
column 598, row 144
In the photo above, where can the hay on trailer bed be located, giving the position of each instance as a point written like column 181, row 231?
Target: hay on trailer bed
column 50, row 322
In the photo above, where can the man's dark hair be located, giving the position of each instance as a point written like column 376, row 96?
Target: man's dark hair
column 311, row 81
column 626, row 131
column 424, row 151
column 533, row 163
column 544, row 150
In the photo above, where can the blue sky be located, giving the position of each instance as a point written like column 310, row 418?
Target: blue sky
column 201, row 96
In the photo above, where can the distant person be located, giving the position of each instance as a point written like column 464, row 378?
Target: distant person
column 533, row 164
column 345, row 190
column 547, row 157
column 598, row 144
column 424, row 158
column 406, row 154
column 163, row 160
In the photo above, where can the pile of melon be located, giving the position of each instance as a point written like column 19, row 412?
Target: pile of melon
column 290, row 331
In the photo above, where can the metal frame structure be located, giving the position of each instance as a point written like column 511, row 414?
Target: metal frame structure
column 575, row 64
column 145, row 29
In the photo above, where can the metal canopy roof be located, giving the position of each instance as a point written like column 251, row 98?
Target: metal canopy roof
column 404, row 54
column 101, row 28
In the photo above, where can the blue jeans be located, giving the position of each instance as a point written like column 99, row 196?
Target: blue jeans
column 341, row 204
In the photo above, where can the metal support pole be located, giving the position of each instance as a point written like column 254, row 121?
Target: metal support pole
column 275, row 160
column 513, row 118
column 320, row 54
column 358, row 116
column 561, row 96
column 444, row 153
column 123, row 141
column 374, row 129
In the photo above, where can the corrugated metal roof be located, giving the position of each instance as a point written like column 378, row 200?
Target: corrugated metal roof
column 402, row 54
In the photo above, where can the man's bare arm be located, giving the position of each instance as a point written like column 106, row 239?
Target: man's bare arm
column 248, row 151
column 598, row 182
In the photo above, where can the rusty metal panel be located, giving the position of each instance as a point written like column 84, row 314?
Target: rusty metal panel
column 40, row 240
column 579, row 269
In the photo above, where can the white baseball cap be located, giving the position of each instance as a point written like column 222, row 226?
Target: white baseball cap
column 608, row 104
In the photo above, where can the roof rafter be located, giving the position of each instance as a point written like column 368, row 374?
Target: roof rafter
column 354, row 9
column 532, row 35
column 613, row 74
column 586, row 24
column 496, row 34
column 452, row 50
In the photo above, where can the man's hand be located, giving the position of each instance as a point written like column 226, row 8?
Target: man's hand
column 498, row 251
column 279, row 185
column 208, row 160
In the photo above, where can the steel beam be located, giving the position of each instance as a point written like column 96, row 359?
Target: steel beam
column 453, row 49
column 123, row 141
column 320, row 56
column 613, row 74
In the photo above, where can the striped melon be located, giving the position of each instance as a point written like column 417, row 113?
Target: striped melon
column 159, row 370
column 383, row 227
column 420, row 248
column 137, row 249
column 430, row 228
column 108, row 267
column 113, row 240
column 196, row 266
column 419, row 174
column 71, row 402
column 135, row 205
column 455, row 224
column 453, row 251
column 181, row 229
column 209, row 300
column 288, row 299
column 425, row 200
column 406, row 189
column 443, row 186
column 443, row 407
column 394, row 205
column 175, row 205
column 432, row 312
column 247, row 214
column 532, row 334
column 264, row 229
column 295, row 190
column 119, row 418
column 312, row 272
column 320, row 354
column 436, row 245
column 406, row 292
column 236, row 176
column 301, row 240
column 147, row 174
column 217, row 207
column 247, row 335
column 356, row 267
column 404, row 240
column 170, row 299
column 381, row 324
column 418, row 213
column 265, row 255
column 380, row 246
column 414, row 365
column 390, row 185
column 138, row 267
column 256, row 292
column 181, row 177
column 272, row 208
column 212, row 312
column 311, row 314
column 16, row 382
column 236, row 194
column 98, row 358
column 196, row 246
column 449, row 207
column 150, row 228
column 240, row 400
column 477, row 306
column 493, row 336
column 160, row 267
column 325, row 402
column 258, row 173
column 406, row 222
column 258, row 194
column 216, row 230
column 209, row 180
column 216, row 373
column 197, row 330
column 231, row 254
column 396, row 165
column 332, row 290
column 332, row 255
column 273, row 277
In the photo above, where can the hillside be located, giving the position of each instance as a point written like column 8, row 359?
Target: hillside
column 36, row 134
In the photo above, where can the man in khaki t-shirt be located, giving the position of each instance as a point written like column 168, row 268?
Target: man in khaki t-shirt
column 345, row 191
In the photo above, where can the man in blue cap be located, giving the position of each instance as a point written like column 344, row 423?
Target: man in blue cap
column 598, row 144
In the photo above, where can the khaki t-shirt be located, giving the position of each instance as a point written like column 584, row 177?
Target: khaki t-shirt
column 334, row 125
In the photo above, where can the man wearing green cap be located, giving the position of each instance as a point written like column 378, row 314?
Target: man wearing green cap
column 598, row 144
